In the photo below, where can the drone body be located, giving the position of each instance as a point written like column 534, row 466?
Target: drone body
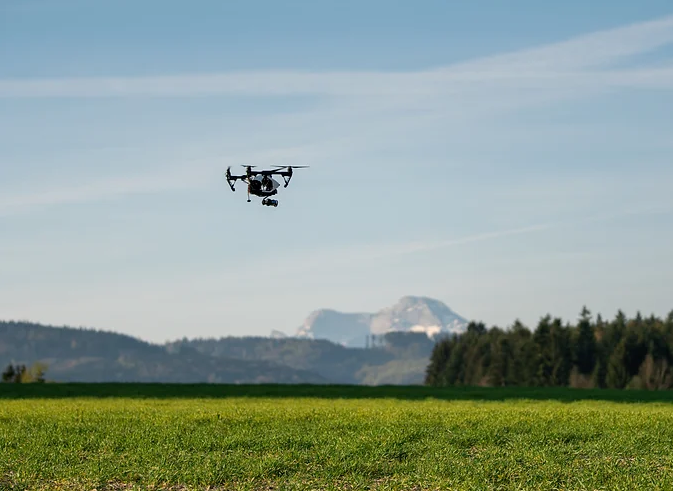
column 261, row 183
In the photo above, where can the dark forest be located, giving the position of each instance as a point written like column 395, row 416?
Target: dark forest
column 634, row 353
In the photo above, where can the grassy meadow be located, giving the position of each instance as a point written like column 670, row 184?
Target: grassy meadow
column 135, row 436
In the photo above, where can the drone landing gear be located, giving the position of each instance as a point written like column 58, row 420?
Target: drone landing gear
column 270, row 202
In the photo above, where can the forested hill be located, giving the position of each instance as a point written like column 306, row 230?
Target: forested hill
column 619, row 353
column 396, row 358
column 591, row 352
column 89, row 355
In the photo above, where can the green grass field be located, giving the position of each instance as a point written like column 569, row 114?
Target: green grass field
column 70, row 436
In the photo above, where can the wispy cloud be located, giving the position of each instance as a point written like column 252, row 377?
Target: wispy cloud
column 598, row 49
column 355, row 256
column 562, row 63
column 290, row 270
column 231, row 286
column 365, row 253
column 190, row 174
column 108, row 188
column 358, row 101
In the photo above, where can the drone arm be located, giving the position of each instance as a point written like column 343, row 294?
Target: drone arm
column 286, row 178
column 231, row 180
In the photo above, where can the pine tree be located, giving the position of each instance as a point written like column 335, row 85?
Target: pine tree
column 9, row 373
column 435, row 372
column 454, row 374
column 543, row 363
column 617, row 375
column 498, row 371
column 561, row 353
column 623, row 353
column 585, row 346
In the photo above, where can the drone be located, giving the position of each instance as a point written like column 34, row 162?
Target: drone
column 261, row 183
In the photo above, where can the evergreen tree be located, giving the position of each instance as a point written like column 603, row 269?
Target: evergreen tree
column 15, row 374
column 501, row 355
column 434, row 374
column 543, row 360
column 622, row 353
column 455, row 367
column 9, row 373
column 561, row 353
column 617, row 375
column 585, row 347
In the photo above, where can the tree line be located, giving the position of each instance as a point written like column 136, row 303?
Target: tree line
column 634, row 353
column 22, row 374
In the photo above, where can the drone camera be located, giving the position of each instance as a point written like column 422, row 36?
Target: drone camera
column 270, row 202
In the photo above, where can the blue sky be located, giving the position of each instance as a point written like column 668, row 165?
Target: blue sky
column 510, row 159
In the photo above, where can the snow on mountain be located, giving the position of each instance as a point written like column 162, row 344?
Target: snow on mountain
column 409, row 314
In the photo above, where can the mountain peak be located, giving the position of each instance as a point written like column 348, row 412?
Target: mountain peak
column 409, row 314
column 413, row 301
column 418, row 314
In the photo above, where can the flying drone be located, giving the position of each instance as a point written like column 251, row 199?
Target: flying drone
column 261, row 183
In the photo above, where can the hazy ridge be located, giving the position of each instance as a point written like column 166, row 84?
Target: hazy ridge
column 89, row 355
column 391, row 346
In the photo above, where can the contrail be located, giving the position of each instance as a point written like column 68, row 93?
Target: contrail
column 381, row 251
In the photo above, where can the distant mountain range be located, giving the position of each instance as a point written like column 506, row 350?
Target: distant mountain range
column 392, row 346
column 88, row 355
column 409, row 314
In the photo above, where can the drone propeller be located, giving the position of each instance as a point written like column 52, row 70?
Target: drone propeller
column 229, row 178
column 291, row 166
